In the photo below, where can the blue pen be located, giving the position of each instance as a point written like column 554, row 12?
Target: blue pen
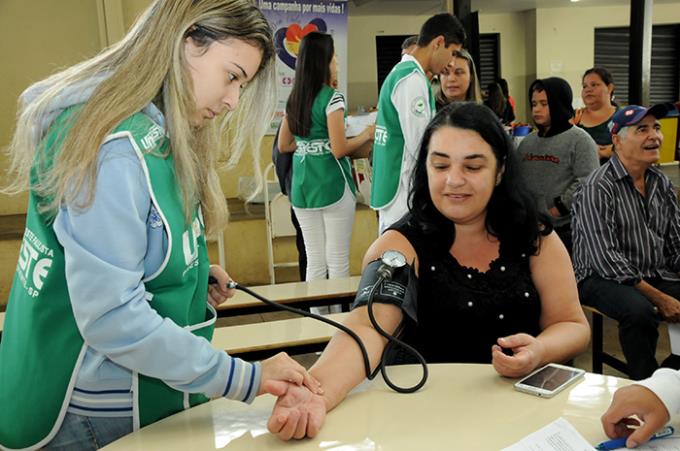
column 621, row 442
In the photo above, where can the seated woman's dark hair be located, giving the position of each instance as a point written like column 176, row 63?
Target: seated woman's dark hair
column 512, row 215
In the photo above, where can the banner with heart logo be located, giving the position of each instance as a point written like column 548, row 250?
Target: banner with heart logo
column 291, row 21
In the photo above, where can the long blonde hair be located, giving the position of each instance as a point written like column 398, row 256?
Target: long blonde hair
column 147, row 65
column 474, row 92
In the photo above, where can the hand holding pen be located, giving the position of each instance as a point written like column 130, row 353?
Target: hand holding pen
column 618, row 421
column 618, row 443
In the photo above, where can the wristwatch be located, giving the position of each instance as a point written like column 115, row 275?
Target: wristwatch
column 393, row 259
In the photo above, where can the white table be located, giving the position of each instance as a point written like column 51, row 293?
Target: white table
column 462, row 407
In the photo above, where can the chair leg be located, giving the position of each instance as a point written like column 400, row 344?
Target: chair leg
column 597, row 342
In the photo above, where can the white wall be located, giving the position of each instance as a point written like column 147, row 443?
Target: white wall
column 514, row 48
column 36, row 41
column 565, row 38
column 362, row 70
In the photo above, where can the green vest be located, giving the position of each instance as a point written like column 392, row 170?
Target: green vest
column 319, row 178
column 388, row 145
column 41, row 349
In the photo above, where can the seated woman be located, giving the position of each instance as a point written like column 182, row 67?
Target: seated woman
column 459, row 83
column 598, row 97
column 494, row 282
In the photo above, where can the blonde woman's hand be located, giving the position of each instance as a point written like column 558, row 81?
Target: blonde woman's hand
column 527, row 354
column 283, row 368
column 218, row 292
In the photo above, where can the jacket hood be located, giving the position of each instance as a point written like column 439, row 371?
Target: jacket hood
column 560, row 98
column 72, row 95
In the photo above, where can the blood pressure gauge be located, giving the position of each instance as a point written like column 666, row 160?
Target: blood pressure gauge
column 393, row 259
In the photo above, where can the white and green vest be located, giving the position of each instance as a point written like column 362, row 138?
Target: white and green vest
column 388, row 144
column 319, row 179
column 41, row 349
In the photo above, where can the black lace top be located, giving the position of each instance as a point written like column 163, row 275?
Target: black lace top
column 462, row 311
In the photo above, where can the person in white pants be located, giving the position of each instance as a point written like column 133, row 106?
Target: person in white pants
column 322, row 187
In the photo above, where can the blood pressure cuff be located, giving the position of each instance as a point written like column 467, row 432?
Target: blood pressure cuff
column 401, row 290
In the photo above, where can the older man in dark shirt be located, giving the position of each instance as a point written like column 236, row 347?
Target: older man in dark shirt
column 626, row 231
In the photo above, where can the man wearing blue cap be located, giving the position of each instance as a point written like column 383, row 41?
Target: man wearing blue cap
column 626, row 231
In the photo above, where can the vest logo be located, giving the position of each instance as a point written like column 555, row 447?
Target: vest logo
column 190, row 243
column 151, row 139
column 35, row 261
column 381, row 135
column 314, row 147
column 418, row 106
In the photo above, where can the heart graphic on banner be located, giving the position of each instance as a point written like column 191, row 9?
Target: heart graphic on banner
column 287, row 40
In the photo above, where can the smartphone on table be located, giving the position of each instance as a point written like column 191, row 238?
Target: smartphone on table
column 548, row 381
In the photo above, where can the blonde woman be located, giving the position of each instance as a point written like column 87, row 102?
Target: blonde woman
column 459, row 83
column 110, row 316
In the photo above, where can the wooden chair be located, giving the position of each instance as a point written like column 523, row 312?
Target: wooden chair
column 278, row 223
column 599, row 356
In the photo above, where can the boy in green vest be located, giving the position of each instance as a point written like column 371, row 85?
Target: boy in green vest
column 405, row 107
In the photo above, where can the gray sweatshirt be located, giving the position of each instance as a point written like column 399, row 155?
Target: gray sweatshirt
column 553, row 167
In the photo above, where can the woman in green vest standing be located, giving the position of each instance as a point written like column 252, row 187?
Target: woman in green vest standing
column 322, row 189
column 110, row 317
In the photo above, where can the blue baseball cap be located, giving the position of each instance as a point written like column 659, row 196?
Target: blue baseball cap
column 632, row 114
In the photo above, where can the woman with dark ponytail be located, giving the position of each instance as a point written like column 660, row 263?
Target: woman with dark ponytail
column 322, row 188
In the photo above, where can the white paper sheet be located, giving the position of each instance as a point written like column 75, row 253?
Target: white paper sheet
column 559, row 435
column 356, row 124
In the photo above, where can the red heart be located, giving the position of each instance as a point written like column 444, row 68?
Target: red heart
column 295, row 33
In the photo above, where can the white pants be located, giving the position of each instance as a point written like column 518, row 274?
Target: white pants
column 327, row 233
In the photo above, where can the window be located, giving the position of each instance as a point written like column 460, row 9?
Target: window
column 489, row 67
column 388, row 50
column 611, row 52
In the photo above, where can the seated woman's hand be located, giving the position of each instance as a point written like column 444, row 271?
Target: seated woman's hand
column 527, row 354
column 283, row 368
column 218, row 292
column 298, row 413
column 605, row 151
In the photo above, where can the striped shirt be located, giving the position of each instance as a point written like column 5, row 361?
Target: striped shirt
column 621, row 235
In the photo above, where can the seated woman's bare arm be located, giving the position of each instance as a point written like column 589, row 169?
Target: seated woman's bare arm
column 564, row 329
column 340, row 368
